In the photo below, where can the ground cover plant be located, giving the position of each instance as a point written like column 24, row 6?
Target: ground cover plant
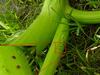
column 50, row 37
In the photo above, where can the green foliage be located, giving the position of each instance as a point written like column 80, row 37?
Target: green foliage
column 83, row 49
column 86, row 4
column 17, row 15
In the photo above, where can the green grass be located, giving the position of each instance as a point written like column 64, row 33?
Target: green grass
column 86, row 4
column 83, row 51
column 17, row 15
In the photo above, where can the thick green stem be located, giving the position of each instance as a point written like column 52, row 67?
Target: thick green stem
column 40, row 33
column 56, row 49
column 85, row 17
column 13, row 62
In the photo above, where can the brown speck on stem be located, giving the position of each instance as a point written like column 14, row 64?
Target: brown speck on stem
column 14, row 57
column 18, row 66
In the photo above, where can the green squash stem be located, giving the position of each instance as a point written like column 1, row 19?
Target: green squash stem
column 41, row 32
column 56, row 49
column 83, row 16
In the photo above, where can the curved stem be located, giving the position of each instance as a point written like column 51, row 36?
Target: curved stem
column 85, row 17
column 41, row 32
